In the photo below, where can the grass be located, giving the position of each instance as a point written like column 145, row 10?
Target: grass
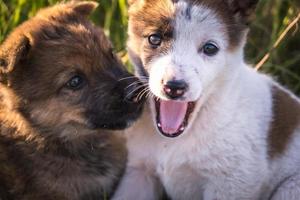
column 272, row 18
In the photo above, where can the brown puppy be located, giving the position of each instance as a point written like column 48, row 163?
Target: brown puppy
column 60, row 88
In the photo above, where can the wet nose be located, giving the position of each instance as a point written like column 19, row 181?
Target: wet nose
column 175, row 89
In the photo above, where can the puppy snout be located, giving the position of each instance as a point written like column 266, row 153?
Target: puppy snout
column 175, row 89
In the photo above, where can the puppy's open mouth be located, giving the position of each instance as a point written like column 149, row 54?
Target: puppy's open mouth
column 172, row 117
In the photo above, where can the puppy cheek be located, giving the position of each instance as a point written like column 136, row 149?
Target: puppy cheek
column 74, row 116
column 156, row 79
column 193, row 78
column 195, row 89
column 55, row 113
column 205, row 73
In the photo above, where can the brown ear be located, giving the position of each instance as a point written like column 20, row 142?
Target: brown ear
column 243, row 8
column 12, row 51
column 84, row 8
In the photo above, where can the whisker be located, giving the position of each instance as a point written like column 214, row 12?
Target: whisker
column 142, row 93
column 126, row 78
column 134, row 83
column 148, row 95
column 145, row 78
column 151, row 95
column 135, row 89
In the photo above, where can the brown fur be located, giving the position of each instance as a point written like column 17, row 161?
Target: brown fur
column 56, row 141
column 147, row 17
column 286, row 120
column 150, row 16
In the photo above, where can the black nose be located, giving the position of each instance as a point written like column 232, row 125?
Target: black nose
column 175, row 89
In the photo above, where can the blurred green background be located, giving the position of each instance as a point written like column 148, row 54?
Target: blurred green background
column 272, row 17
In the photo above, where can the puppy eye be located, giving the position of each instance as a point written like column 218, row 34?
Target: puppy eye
column 210, row 49
column 155, row 40
column 75, row 83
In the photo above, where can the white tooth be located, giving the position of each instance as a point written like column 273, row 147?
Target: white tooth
column 159, row 125
column 182, row 129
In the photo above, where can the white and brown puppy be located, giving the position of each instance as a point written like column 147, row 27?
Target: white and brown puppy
column 227, row 132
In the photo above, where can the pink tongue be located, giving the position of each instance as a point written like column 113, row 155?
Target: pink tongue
column 172, row 114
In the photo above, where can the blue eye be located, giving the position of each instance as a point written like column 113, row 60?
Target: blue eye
column 75, row 83
column 210, row 49
column 155, row 40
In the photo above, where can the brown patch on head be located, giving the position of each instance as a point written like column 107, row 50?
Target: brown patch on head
column 153, row 16
column 235, row 14
column 286, row 119
column 243, row 9
column 150, row 17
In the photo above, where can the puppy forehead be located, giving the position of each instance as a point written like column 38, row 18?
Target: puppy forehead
column 178, row 15
column 156, row 10
column 194, row 26
column 147, row 17
column 79, row 45
column 194, row 19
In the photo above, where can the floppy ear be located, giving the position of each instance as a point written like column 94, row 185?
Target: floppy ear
column 84, row 8
column 12, row 51
column 243, row 8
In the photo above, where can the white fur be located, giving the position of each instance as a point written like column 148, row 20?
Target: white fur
column 223, row 153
